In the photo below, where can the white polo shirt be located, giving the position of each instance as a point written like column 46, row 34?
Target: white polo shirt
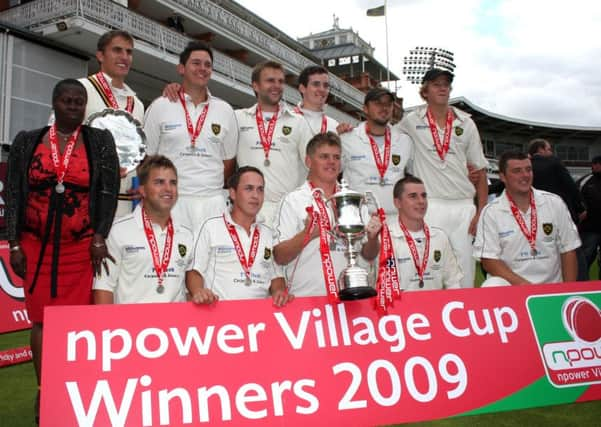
column 132, row 278
column 314, row 121
column 359, row 167
column 305, row 273
column 448, row 179
column 500, row 237
column 287, row 154
column 442, row 271
column 216, row 260
column 199, row 170
column 96, row 103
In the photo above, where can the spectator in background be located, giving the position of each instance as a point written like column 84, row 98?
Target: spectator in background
column 549, row 174
column 590, row 227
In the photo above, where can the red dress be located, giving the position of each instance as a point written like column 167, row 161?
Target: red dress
column 73, row 267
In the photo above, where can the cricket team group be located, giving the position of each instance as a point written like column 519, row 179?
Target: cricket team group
column 232, row 202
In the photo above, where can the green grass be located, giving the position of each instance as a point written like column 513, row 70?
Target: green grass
column 18, row 387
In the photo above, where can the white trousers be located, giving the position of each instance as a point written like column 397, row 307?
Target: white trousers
column 454, row 217
column 193, row 211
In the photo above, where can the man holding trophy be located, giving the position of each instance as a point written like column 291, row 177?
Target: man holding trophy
column 114, row 106
column 304, row 244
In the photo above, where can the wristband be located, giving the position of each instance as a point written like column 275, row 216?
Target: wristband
column 98, row 245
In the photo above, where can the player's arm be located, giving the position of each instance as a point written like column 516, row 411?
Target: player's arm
column 569, row 266
column 196, row 289
column 103, row 297
column 371, row 247
column 287, row 250
column 279, row 292
column 496, row 267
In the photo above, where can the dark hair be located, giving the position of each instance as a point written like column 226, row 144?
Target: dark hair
column 399, row 187
column 255, row 77
column 64, row 84
column 303, row 78
column 153, row 162
column 537, row 144
column 192, row 47
column 107, row 37
column 328, row 138
column 596, row 160
column 234, row 180
column 510, row 155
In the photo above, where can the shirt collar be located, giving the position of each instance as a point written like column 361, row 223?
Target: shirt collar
column 284, row 109
column 459, row 115
column 137, row 213
column 125, row 90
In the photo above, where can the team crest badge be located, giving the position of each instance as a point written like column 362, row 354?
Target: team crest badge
column 458, row 131
column 548, row 228
column 396, row 159
column 216, row 128
column 286, row 130
column 182, row 249
column 267, row 253
column 437, row 255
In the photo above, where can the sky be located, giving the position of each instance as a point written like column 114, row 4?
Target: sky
column 531, row 59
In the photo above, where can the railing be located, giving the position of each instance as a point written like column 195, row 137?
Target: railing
column 106, row 13
column 221, row 21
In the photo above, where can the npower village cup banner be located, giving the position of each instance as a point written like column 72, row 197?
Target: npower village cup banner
column 247, row 363
column 13, row 315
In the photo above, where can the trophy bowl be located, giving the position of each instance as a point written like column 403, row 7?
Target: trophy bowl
column 350, row 217
column 127, row 132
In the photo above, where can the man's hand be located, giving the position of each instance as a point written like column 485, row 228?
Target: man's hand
column 171, row 92
column 473, row 174
column 98, row 254
column 373, row 227
column 281, row 297
column 474, row 225
column 315, row 231
column 344, row 128
column 204, row 296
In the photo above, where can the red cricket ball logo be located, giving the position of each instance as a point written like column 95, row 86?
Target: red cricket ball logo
column 582, row 319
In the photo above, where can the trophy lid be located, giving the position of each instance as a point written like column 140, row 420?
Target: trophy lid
column 345, row 192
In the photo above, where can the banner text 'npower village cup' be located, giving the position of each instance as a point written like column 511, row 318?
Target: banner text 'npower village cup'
column 435, row 354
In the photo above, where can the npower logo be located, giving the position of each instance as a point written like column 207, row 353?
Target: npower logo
column 569, row 337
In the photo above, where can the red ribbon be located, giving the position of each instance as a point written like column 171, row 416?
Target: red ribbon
column 254, row 246
column 381, row 164
column 420, row 268
column 266, row 137
column 159, row 267
column 387, row 286
column 441, row 149
column 193, row 132
column 529, row 235
column 108, row 93
column 61, row 163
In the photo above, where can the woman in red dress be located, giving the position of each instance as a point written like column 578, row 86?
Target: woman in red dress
column 62, row 195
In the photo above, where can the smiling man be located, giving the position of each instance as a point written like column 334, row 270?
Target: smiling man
column 152, row 251
column 233, row 253
column 272, row 137
column 424, row 257
column 374, row 154
column 199, row 134
column 525, row 235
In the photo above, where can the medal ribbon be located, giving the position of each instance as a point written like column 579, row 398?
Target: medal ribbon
column 529, row 235
column 326, row 257
column 254, row 247
column 441, row 149
column 324, row 120
column 420, row 268
column 160, row 265
column 108, row 93
column 61, row 163
column 387, row 286
column 193, row 132
column 266, row 137
column 382, row 165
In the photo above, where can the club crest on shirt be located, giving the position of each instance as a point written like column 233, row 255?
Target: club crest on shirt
column 458, row 131
column 216, row 128
column 548, row 228
column 267, row 253
column 437, row 255
column 182, row 250
column 286, row 130
column 396, row 159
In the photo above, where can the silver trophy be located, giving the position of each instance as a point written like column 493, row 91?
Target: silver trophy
column 127, row 133
column 350, row 218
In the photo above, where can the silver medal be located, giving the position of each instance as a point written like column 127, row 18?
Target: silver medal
column 60, row 188
column 534, row 252
column 266, row 162
column 247, row 282
column 160, row 289
column 421, row 283
column 382, row 181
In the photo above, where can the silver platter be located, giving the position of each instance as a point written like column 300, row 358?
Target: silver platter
column 127, row 132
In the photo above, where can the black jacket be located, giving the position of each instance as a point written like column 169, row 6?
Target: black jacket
column 104, row 178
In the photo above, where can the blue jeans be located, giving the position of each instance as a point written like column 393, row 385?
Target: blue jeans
column 591, row 242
